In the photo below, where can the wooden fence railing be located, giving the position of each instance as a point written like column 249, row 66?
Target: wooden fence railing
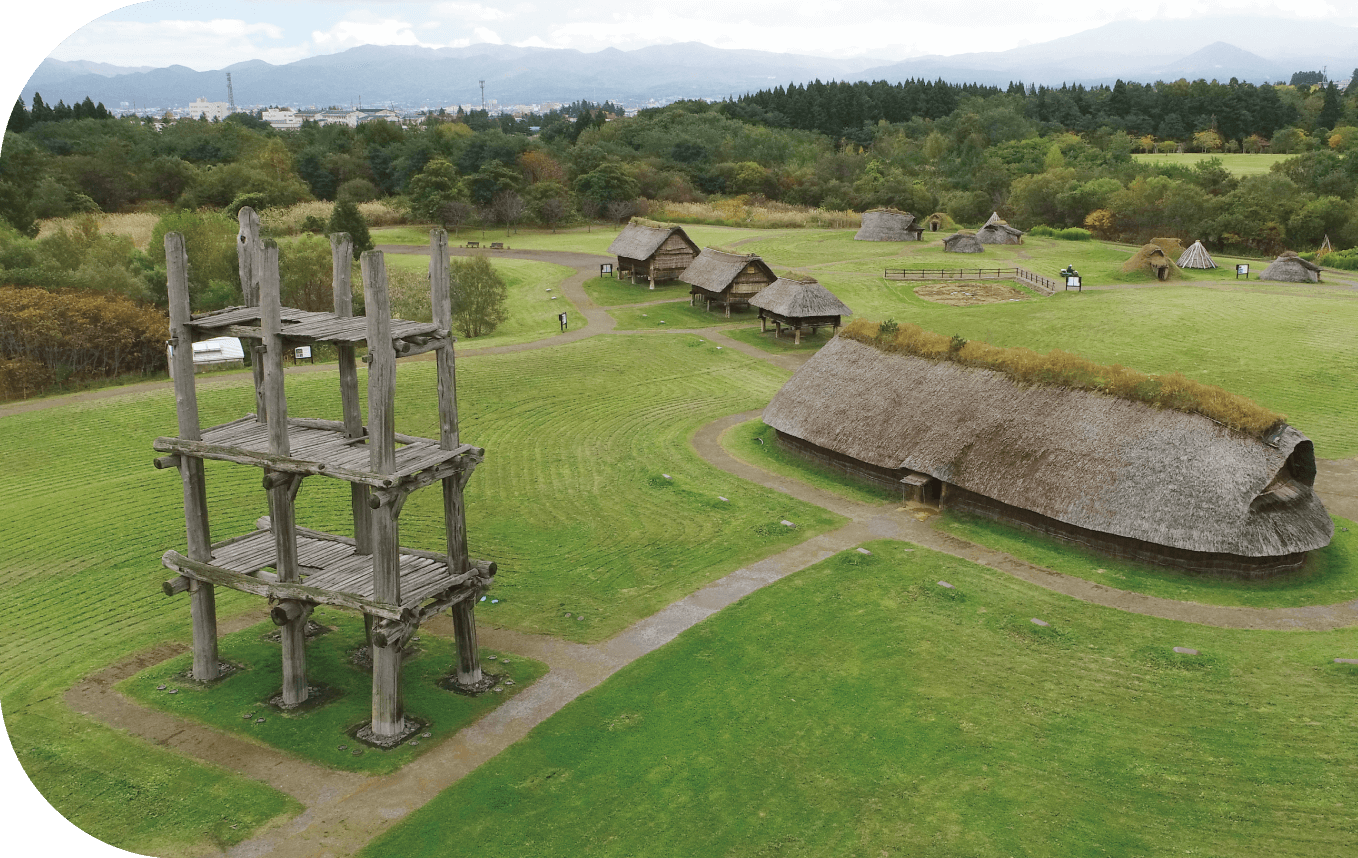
column 1045, row 285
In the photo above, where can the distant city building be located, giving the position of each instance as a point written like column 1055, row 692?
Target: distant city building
column 202, row 108
column 340, row 116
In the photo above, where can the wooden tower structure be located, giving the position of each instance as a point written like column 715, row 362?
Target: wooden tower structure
column 395, row 588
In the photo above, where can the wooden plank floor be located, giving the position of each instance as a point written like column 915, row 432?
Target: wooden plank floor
column 308, row 326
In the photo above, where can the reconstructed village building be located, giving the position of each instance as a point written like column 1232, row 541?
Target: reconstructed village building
column 656, row 253
column 726, row 279
column 888, row 225
column 799, row 305
column 1119, row 476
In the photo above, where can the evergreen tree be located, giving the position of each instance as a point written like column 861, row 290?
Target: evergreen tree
column 62, row 112
column 1331, row 110
column 347, row 218
column 40, row 112
column 18, row 117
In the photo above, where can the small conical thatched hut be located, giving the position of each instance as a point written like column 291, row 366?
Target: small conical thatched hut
column 656, row 253
column 726, row 278
column 1172, row 247
column 888, row 225
column 1152, row 260
column 962, row 242
column 1196, row 257
column 1291, row 268
column 996, row 231
column 798, row 304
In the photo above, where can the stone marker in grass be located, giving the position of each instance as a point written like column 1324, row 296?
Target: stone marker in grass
column 945, row 585
column 787, row 523
column 1183, row 650
column 864, row 551
column 1346, row 661
column 1041, row 623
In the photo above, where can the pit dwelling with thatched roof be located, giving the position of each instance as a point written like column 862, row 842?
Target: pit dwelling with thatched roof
column 888, row 225
column 799, row 305
column 1151, row 259
column 656, row 253
column 726, row 279
column 1291, row 268
column 997, row 231
column 962, row 242
column 1116, row 475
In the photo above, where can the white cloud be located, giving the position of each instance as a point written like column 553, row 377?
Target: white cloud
column 485, row 34
column 456, row 12
column 201, row 44
column 348, row 34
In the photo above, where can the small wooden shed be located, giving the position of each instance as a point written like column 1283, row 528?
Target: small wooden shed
column 962, row 242
column 656, row 253
column 726, row 278
column 1291, row 268
column 888, row 225
column 798, row 304
column 996, row 231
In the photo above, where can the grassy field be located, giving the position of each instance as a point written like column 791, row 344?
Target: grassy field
column 754, row 443
column 857, row 708
column 1239, row 165
column 570, row 502
column 576, row 239
column 780, row 345
column 1329, row 576
column 321, row 734
column 532, row 312
column 677, row 314
column 610, row 292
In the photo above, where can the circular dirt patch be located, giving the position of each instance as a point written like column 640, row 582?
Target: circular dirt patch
column 970, row 292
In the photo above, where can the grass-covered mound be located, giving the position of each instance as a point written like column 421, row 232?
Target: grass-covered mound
column 1059, row 368
column 858, row 708
column 323, row 733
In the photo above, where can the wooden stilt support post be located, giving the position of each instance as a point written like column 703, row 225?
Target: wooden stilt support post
column 650, row 273
column 797, row 335
column 454, row 509
column 388, row 719
column 247, row 252
column 341, row 267
column 282, row 518
column 763, row 323
column 202, row 597
column 728, row 308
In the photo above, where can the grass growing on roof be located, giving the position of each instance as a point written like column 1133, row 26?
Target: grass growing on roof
column 1063, row 369
column 857, row 708
column 756, row 444
column 1329, row 576
column 317, row 734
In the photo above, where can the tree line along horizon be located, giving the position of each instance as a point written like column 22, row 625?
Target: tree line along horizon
column 1059, row 157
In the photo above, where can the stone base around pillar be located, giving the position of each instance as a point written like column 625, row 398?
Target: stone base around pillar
column 317, row 695
column 409, row 728
column 488, row 681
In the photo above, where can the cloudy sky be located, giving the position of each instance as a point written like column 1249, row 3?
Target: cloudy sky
column 216, row 33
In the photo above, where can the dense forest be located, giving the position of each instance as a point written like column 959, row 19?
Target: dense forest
column 1059, row 157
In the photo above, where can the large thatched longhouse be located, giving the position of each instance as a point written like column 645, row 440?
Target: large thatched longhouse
column 1116, row 475
column 656, row 253
column 888, row 225
column 726, row 279
column 799, row 305
column 1291, row 268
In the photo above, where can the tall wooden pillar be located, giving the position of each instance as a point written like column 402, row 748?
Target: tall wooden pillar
column 341, row 268
column 650, row 273
column 388, row 716
column 203, row 599
column 247, row 252
column 454, row 508
column 282, row 488
column 797, row 335
column 763, row 323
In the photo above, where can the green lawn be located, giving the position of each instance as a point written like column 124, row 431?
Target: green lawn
column 780, row 345
column 611, row 292
column 532, row 310
column 755, row 443
column 677, row 314
column 857, row 708
column 1330, row 574
column 1239, row 165
column 320, row 734
column 596, row 239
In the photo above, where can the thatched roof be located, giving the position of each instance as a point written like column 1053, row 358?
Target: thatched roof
column 1291, row 268
column 888, row 225
column 714, row 270
column 1172, row 247
column 1196, row 256
column 639, row 242
column 962, row 242
column 997, row 231
column 1093, row 461
column 798, row 299
column 995, row 218
column 1151, row 259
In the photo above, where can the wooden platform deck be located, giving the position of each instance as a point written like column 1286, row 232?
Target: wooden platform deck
column 321, row 448
column 303, row 326
column 332, row 573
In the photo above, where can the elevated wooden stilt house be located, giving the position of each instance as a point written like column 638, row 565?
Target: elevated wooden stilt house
column 726, row 279
column 656, row 253
column 395, row 588
column 799, row 305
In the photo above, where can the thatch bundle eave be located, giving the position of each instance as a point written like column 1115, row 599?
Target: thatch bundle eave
column 799, row 299
column 716, row 270
column 962, row 242
column 1291, row 268
column 888, row 225
column 640, row 242
column 1095, row 462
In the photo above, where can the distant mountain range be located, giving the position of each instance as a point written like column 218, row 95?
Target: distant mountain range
column 1253, row 49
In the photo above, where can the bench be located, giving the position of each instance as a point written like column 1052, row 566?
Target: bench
column 497, row 245
column 473, row 244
